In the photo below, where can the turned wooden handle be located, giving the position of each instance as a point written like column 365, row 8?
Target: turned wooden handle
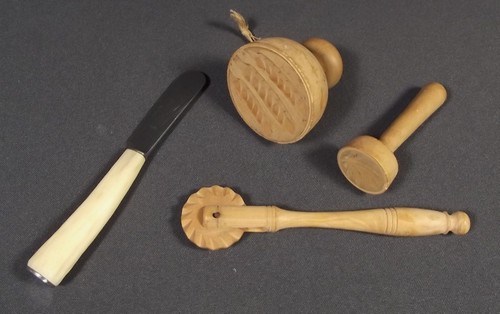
column 329, row 58
column 399, row 221
column 427, row 101
column 58, row 255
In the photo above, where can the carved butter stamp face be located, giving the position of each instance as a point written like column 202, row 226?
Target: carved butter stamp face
column 280, row 87
column 269, row 94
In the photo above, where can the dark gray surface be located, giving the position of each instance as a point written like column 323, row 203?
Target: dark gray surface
column 76, row 77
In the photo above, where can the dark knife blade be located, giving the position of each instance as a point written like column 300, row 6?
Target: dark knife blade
column 172, row 104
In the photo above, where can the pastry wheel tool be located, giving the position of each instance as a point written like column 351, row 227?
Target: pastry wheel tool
column 216, row 217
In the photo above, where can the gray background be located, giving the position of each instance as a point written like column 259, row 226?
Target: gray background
column 77, row 76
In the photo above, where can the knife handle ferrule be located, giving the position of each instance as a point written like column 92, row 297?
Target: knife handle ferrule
column 58, row 255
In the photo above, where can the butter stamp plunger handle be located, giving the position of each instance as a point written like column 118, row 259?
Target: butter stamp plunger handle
column 427, row 101
column 400, row 221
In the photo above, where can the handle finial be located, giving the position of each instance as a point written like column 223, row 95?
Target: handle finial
column 459, row 223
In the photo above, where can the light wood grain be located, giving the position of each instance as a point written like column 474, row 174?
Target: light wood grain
column 428, row 100
column 216, row 217
column 58, row 255
column 280, row 87
column 370, row 164
column 329, row 58
column 394, row 221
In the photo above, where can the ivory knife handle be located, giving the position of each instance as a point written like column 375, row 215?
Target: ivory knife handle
column 58, row 255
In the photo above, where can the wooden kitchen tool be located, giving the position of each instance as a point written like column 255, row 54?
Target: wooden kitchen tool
column 368, row 163
column 280, row 87
column 216, row 217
